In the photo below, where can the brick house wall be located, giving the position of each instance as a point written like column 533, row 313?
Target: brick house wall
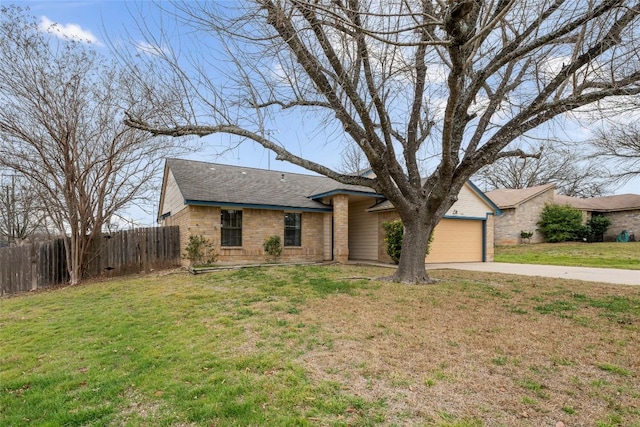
column 623, row 220
column 489, row 246
column 523, row 217
column 341, row 228
column 505, row 227
column 257, row 225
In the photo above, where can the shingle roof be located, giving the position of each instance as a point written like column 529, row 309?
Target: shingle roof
column 210, row 183
column 507, row 198
column 620, row 202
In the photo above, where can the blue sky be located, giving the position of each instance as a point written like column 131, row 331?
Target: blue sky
column 100, row 21
column 104, row 21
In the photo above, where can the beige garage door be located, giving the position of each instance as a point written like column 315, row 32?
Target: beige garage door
column 456, row 240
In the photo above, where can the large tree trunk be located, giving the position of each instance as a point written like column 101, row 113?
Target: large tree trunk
column 72, row 251
column 411, row 268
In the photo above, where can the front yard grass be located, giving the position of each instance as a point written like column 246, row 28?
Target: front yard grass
column 322, row 346
column 603, row 255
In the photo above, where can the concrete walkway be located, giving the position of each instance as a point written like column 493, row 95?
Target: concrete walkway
column 589, row 274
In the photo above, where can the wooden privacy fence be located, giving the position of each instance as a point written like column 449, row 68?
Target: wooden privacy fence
column 31, row 267
column 134, row 251
column 42, row 265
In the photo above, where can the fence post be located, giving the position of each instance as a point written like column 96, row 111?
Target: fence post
column 34, row 266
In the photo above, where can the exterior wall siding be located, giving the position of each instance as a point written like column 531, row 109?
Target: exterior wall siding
column 505, row 225
column 363, row 231
column 173, row 200
column 623, row 220
column 257, row 225
column 469, row 204
column 524, row 217
column 341, row 228
column 328, row 236
column 489, row 246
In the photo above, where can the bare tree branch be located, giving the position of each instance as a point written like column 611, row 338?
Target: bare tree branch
column 619, row 145
column 457, row 83
column 61, row 130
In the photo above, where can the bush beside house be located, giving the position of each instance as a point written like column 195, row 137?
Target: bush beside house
column 560, row 223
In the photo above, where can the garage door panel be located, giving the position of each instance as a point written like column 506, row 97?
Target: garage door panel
column 456, row 240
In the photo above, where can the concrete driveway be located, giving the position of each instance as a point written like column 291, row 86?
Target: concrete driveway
column 588, row 274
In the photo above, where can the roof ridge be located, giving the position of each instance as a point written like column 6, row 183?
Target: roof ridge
column 249, row 167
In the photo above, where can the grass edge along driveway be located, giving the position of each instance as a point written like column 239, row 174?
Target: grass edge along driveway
column 321, row 345
column 602, row 255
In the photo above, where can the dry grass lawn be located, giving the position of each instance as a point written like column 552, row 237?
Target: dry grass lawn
column 323, row 346
column 489, row 350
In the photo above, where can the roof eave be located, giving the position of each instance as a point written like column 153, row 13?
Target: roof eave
column 487, row 200
column 348, row 192
column 258, row 206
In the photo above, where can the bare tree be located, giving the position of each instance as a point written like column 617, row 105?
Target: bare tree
column 20, row 212
column 353, row 160
column 619, row 146
column 454, row 82
column 61, row 127
column 574, row 173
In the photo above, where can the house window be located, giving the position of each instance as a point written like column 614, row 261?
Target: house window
column 292, row 229
column 231, row 227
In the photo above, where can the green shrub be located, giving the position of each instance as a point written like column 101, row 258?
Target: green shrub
column 597, row 226
column 200, row 251
column 393, row 232
column 273, row 247
column 526, row 235
column 561, row 223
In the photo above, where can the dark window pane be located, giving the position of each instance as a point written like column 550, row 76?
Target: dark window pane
column 231, row 228
column 292, row 229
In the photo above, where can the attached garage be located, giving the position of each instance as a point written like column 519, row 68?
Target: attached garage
column 465, row 234
column 457, row 240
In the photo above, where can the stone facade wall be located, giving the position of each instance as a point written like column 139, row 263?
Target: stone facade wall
column 524, row 217
column 623, row 220
column 257, row 225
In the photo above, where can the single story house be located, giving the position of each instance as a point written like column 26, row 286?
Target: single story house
column 317, row 218
column 521, row 210
column 623, row 210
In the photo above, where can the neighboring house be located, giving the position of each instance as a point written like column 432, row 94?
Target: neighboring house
column 317, row 218
column 623, row 210
column 521, row 209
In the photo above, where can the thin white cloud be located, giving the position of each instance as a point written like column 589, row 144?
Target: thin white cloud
column 72, row 31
